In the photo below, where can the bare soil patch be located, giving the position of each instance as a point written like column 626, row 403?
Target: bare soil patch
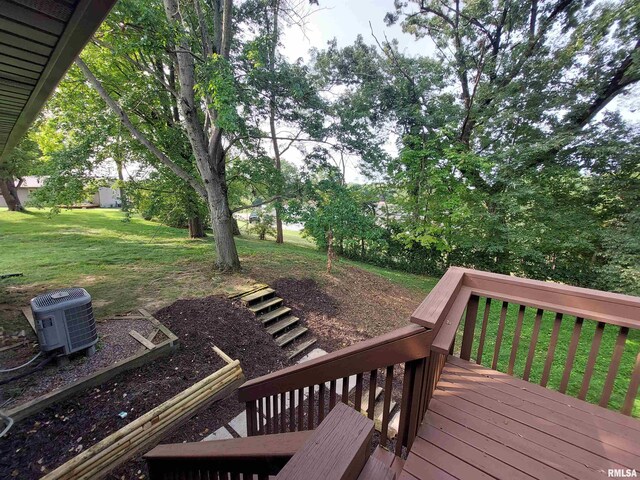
column 42, row 442
column 348, row 307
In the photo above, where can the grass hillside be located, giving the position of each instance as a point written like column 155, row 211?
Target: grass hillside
column 125, row 265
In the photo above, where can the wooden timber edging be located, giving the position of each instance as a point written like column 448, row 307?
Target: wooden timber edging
column 147, row 430
column 138, row 359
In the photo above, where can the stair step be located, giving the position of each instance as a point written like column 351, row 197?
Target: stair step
column 251, row 297
column 290, row 336
column 374, row 469
column 271, row 302
column 389, row 459
column 364, row 404
column 301, row 348
column 272, row 315
column 280, row 325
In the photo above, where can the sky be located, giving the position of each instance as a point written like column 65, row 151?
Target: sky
column 345, row 20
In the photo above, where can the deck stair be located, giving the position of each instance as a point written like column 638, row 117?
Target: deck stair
column 278, row 321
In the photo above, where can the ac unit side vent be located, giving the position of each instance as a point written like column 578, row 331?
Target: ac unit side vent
column 80, row 325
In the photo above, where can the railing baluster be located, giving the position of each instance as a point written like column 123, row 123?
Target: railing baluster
column 632, row 391
column 571, row 355
column 469, row 327
column 422, row 404
column 496, row 351
column 345, row 391
column 321, row 403
column 516, row 340
column 483, row 332
column 407, row 384
column 618, row 350
column 283, row 416
column 532, row 345
column 292, row 410
column 311, row 399
column 276, row 419
column 332, row 394
column 373, row 384
column 268, row 414
column 357, row 402
column 300, row 409
column 551, row 351
column 251, row 418
column 260, row 416
column 388, row 389
column 414, row 412
column 593, row 355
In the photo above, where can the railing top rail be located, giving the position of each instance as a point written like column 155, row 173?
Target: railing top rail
column 398, row 346
column 607, row 307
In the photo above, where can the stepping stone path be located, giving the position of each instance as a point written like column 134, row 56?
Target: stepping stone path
column 238, row 426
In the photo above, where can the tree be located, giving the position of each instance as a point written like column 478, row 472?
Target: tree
column 19, row 164
column 191, row 62
column 336, row 216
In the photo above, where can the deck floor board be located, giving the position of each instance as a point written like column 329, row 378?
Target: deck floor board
column 482, row 423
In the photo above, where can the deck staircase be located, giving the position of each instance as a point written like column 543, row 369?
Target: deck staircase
column 280, row 323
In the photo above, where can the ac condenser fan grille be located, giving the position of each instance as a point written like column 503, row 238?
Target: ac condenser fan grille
column 80, row 325
column 59, row 296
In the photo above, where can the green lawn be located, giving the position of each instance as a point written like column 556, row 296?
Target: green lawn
column 130, row 264
column 588, row 329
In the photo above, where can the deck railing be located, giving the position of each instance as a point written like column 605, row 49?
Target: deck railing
column 297, row 398
column 577, row 316
column 408, row 362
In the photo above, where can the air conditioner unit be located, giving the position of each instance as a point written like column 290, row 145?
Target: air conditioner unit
column 64, row 319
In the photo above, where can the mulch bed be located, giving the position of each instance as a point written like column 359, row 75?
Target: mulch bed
column 315, row 308
column 46, row 440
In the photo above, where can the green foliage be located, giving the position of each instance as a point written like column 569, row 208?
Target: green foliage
column 217, row 82
column 264, row 226
column 347, row 212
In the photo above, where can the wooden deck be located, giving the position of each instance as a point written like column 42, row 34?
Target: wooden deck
column 485, row 424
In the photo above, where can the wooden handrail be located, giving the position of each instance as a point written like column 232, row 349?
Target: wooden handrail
column 607, row 307
column 337, row 449
column 402, row 345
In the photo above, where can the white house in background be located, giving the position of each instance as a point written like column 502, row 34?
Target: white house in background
column 105, row 197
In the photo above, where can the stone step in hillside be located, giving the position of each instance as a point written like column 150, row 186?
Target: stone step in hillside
column 301, row 348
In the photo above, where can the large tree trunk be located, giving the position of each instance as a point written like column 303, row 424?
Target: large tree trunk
column 196, row 229
column 124, row 203
column 10, row 194
column 272, row 117
column 222, row 225
column 330, row 253
column 235, row 227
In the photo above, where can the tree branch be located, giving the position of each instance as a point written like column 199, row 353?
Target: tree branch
column 124, row 118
